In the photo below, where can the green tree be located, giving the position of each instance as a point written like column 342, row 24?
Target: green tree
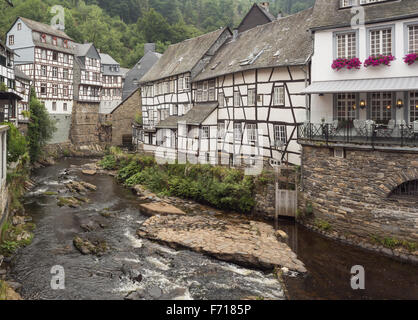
column 41, row 127
column 16, row 143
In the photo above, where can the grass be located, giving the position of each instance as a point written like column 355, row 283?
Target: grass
column 10, row 234
column 3, row 290
column 393, row 243
column 323, row 225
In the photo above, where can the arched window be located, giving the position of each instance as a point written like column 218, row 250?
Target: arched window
column 406, row 189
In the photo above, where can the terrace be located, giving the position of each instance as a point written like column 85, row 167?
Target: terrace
column 366, row 132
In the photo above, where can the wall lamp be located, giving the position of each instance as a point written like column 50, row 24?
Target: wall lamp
column 362, row 104
column 399, row 103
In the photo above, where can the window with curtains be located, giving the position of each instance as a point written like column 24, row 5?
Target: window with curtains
column 237, row 99
column 413, row 39
column 345, row 106
column 252, row 132
column 280, row 135
column 251, row 97
column 381, row 42
column 381, row 107
column 237, row 131
column 346, row 45
column 221, row 130
column 413, row 103
column 278, row 96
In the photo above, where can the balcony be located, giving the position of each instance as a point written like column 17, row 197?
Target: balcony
column 360, row 133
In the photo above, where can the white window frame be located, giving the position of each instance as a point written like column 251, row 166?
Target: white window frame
column 251, row 97
column 378, row 106
column 221, row 130
column 411, row 37
column 279, row 96
column 237, row 131
column 212, row 90
column 221, row 99
column 380, row 47
column 344, row 103
column 187, row 83
column 343, row 40
column 237, row 98
column 413, row 105
column 180, row 83
column 44, row 71
column 280, row 135
column 252, row 132
column 205, row 132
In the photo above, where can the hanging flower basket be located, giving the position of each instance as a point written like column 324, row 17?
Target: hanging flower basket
column 375, row 61
column 353, row 63
column 410, row 58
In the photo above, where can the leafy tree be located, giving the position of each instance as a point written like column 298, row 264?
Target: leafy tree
column 16, row 143
column 41, row 127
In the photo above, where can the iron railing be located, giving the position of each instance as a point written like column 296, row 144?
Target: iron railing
column 373, row 134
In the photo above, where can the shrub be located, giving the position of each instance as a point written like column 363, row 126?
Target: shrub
column 16, row 143
column 108, row 163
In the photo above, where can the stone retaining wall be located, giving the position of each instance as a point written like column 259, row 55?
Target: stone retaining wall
column 352, row 194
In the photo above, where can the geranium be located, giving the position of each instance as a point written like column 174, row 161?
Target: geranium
column 410, row 58
column 353, row 63
column 378, row 60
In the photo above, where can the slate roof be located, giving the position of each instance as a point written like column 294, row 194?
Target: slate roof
column 266, row 13
column 21, row 75
column 329, row 15
column 81, row 49
column 138, row 71
column 44, row 28
column 182, row 57
column 199, row 113
column 284, row 42
column 69, row 50
column 107, row 59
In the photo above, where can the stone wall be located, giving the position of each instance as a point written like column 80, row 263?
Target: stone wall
column 63, row 125
column 85, row 123
column 352, row 194
column 4, row 198
column 123, row 116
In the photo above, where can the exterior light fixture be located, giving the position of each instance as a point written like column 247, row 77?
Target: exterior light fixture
column 362, row 104
column 389, row 107
column 354, row 107
column 399, row 103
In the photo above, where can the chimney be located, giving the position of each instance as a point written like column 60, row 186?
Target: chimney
column 149, row 47
column 265, row 6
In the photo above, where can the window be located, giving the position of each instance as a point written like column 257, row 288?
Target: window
column 414, row 105
column 87, row 76
column 237, row 131
column 85, row 90
column 251, row 97
column 413, row 39
column 55, row 90
column 175, row 109
column 65, row 44
column 167, row 87
column 212, row 90
column 54, row 106
column 252, row 132
column 205, row 132
column 65, row 107
column 55, row 56
column 381, row 107
column 381, row 42
column 280, row 136
column 187, row 83
column 54, row 72
column 199, row 94
column 43, row 71
column 278, row 96
column 205, row 91
column 221, row 100
column 65, row 91
column 65, row 73
column 54, row 41
column 43, row 54
column 237, row 99
column 19, row 26
column 43, row 89
column 346, row 45
column 180, row 84
column 221, row 130
column 11, row 40
column 345, row 106
column 43, row 38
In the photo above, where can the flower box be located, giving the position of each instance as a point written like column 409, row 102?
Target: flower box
column 378, row 60
column 353, row 63
column 410, row 58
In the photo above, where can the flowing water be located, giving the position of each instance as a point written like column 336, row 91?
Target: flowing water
column 165, row 273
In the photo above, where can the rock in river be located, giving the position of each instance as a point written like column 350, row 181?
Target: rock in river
column 248, row 243
column 160, row 208
column 86, row 246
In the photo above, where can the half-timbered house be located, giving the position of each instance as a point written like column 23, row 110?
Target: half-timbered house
column 46, row 55
column 23, row 85
column 166, row 88
column 112, row 79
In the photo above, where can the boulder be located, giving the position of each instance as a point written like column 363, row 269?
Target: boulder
column 86, row 247
column 88, row 186
column 160, row 208
column 89, row 172
column 282, row 236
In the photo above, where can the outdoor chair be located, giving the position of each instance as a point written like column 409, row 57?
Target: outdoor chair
column 370, row 126
column 359, row 126
column 415, row 128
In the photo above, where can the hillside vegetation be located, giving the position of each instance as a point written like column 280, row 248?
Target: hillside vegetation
column 121, row 28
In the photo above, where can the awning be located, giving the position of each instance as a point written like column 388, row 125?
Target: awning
column 364, row 85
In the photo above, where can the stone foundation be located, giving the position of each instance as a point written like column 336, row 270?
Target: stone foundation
column 350, row 196
column 85, row 124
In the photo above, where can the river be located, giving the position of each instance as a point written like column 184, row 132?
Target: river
column 165, row 273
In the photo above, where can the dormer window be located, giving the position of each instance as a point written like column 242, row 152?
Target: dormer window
column 19, row 26
column 54, row 41
column 65, row 43
column 352, row 3
column 43, row 38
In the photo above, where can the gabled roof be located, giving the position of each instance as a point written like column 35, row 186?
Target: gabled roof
column 256, row 6
column 284, row 42
column 182, row 57
column 44, row 28
column 107, row 59
column 81, row 49
column 266, row 13
column 199, row 113
column 329, row 15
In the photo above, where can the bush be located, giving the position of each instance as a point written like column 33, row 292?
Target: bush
column 108, row 163
column 16, row 143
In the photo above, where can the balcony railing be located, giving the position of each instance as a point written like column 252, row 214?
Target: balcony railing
column 369, row 133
